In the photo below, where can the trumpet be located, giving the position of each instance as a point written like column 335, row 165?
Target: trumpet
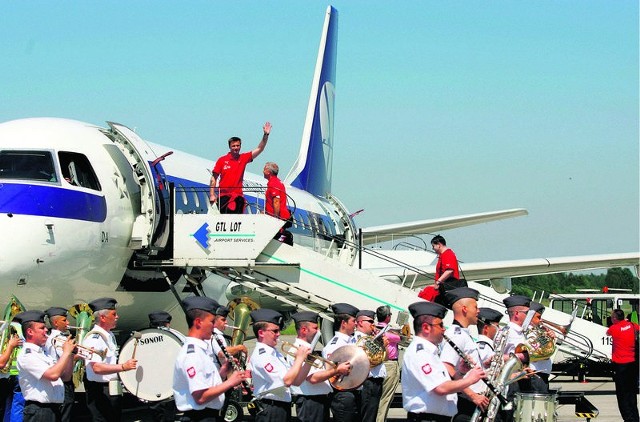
column 80, row 350
column 313, row 360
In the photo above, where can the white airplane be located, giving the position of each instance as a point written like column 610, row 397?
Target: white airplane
column 81, row 206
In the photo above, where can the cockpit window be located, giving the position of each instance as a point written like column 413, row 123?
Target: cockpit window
column 27, row 165
column 77, row 170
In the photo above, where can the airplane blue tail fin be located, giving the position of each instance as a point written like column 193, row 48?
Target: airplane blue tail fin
column 312, row 169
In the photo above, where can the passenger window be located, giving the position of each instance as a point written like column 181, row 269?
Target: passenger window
column 27, row 165
column 77, row 170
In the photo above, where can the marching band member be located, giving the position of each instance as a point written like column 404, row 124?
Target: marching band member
column 104, row 397
column 488, row 325
column 428, row 392
column 163, row 410
column 517, row 309
column 343, row 403
column 59, row 327
column 390, row 383
column 371, row 390
column 218, row 331
column 41, row 375
column 540, row 384
column 198, row 388
column 270, row 370
column 312, row 396
column 159, row 319
column 463, row 301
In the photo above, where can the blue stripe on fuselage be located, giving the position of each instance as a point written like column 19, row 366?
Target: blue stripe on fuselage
column 51, row 201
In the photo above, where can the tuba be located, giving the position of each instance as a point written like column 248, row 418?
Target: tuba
column 13, row 308
column 84, row 319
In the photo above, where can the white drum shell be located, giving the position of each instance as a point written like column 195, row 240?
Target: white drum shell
column 531, row 407
column 156, row 354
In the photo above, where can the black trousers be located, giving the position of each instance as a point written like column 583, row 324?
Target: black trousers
column 39, row 412
column 204, row 415
column 103, row 407
column 67, row 405
column 370, row 399
column 426, row 417
column 274, row 411
column 625, row 377
column 227, row 206
column 344, row 406
column 313, row 408
column 465, row 409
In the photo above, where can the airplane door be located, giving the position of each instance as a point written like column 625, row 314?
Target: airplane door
column 152, row 223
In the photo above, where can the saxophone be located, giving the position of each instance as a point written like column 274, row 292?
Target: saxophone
column 498, row 374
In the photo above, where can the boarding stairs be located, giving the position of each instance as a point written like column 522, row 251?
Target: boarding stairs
column 241, row 250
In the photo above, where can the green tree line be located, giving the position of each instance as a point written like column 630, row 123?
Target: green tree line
column 615, row 278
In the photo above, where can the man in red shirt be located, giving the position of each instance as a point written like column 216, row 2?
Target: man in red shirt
column 275, row 201
column 230, row 169
column 447, row 275
column 624, row 355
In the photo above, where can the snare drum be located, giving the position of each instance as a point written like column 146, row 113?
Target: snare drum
column 535, row 407
column 156, row 353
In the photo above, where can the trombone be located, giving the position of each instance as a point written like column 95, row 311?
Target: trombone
column 313, row 360
column 82, row 351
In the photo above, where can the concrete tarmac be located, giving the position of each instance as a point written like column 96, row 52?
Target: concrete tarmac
column 598, row 391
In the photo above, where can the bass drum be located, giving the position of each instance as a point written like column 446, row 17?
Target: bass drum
column 535, row 407
column 156, row 352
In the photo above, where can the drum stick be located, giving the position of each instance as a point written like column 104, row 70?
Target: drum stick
column 136, row 335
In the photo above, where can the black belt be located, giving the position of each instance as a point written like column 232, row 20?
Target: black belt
column 411, row 416
column 394, row 360
column 203, row 413
column 285, row 404
column 377, row 380
column 45, row 405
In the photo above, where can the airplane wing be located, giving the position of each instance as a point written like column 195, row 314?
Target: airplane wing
column 384, row 233
column 495, row 270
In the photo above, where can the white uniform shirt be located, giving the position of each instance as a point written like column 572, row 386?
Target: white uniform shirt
column 422, row 371
column 96, row 341
column 485, row 348
column 50, row 346
column 195, row 370
column 514, row 338
column 379, row 371
column 306, row 388
column 33, row 362
column 461, row 337
column 268, row 368
column 339, row 339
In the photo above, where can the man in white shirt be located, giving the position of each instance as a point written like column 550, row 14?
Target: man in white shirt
column 41, row 375
column 344, row 405
column 312, row 396
column 428, row 392
column 198, row 388
column 272, row 374
column 60, row 329
column 101, row 383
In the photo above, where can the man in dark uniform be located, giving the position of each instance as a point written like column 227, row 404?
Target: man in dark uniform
column 101, row 383
column 344, row 404
column 60, row 329
column 312, row 396
column 41, row 375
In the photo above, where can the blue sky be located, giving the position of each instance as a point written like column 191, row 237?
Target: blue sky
column 442, row 108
